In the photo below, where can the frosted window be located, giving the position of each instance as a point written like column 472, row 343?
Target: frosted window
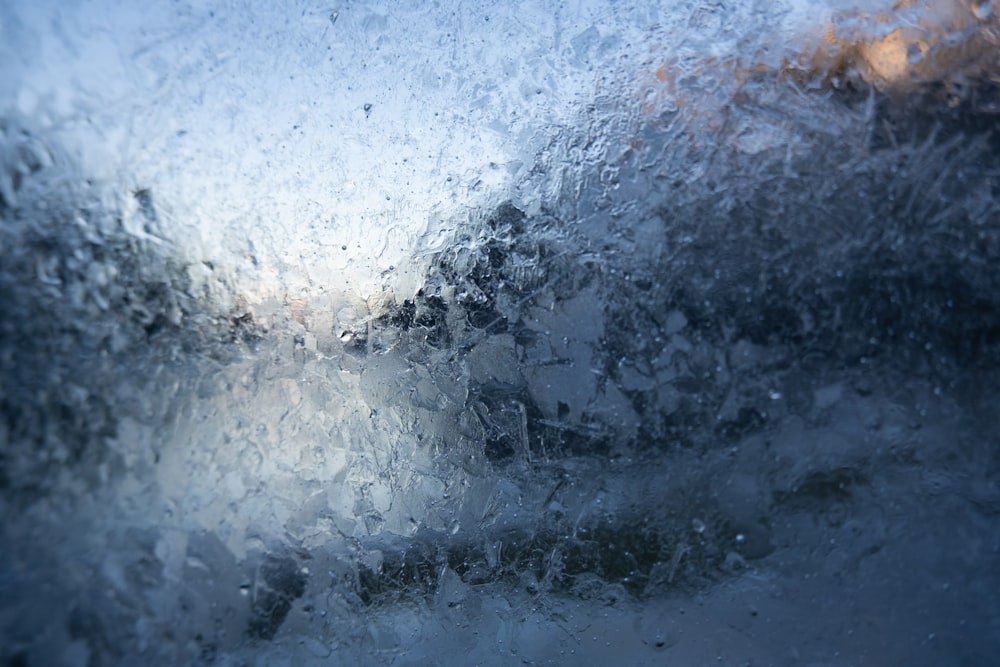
column 485, row 333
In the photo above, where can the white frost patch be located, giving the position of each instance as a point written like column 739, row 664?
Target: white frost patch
column 331, row 139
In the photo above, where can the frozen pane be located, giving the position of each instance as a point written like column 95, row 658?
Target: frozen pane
column 604, row 332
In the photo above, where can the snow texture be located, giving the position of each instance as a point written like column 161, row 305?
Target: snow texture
column 498, row 333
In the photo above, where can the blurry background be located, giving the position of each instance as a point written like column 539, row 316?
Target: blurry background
column 491, row 333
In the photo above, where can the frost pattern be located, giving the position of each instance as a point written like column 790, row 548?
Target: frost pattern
column 501, row 333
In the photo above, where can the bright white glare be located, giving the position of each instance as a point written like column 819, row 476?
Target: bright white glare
column 274, row 124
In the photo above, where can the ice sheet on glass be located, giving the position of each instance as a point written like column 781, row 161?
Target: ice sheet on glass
column 504, row 332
